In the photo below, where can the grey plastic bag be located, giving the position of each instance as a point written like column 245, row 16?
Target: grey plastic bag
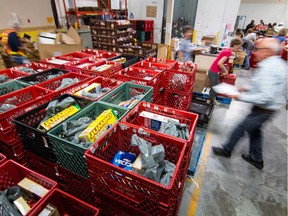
column 66, row 82
column 6, row 107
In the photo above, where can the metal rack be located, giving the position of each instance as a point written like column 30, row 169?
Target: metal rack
column 104, row 4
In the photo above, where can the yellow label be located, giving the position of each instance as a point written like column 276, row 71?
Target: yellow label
column 59, row 117
column 99, row 126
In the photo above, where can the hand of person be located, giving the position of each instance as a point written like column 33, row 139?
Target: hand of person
column 233, row 96
column 242, row 89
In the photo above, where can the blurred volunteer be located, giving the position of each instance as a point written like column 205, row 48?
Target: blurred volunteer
column 218, row 68
column 12, row 44
column 267, row 94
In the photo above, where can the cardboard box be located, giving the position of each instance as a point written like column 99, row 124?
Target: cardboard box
column 204, row 61
column 207, row 81
column 240, row 57
column 162, row 51
column 50, row 50
column 200, row 81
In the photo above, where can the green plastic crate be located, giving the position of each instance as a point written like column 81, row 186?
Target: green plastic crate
column 11, row 86
column 126, row 91
column 70, row 155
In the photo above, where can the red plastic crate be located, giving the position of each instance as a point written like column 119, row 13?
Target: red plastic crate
column 75, row 56
column 23, row 99
column 100, row 53
column 2, row 158
column 179, row 81
column 54, row 83
column 104, row 82
column 36, row 66
column 42, row 166
column 171, row 63
column 142, row 77
column 15, row 149
column 151, row 66
column 177, row 99
column 66, row 205
column 188, row 118
column 116, row 66
column 75, row 184
column 229, row 78
column 13, row 74
column 132, row 190
column 9, row 152
column 76, row 65
column 56, row 65
column 184, row 67
column 9, row 136
column 11, row 173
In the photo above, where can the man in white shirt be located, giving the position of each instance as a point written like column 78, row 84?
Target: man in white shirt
column 266, row 93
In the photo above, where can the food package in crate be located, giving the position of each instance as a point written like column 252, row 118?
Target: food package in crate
column 99, row 126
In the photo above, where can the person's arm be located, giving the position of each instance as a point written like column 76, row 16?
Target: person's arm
column 180, row 54
column 222, row 66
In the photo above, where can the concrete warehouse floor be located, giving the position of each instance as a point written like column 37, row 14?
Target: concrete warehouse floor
column 231, row 187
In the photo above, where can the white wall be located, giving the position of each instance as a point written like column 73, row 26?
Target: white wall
column 270, row 13
column 212, row 16
column 36, row 11
column 138, row 8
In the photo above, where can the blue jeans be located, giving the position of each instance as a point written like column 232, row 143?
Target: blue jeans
column 252, row 125
column 247, row 59
column 20, row 59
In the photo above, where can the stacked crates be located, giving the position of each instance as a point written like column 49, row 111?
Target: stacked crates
column 179, row 84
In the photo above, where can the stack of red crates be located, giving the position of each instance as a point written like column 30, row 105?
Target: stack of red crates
column 144, row 29
column 190, row 119
column 179, row 84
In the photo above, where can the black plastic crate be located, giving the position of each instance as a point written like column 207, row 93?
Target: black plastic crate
column 147, row 35
column 130, row 60
column 203, row 109
column 140, row 25
column 42, row 76
column 34, row 140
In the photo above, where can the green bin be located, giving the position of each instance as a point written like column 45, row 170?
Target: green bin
column 126, row 91
column 71, row 155
column 11, row 86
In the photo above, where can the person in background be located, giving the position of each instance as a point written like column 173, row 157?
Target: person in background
column 239, row 33
column 248, row 46
column 117, row 16
column 12, row 44
column 218, row 67
column 250, row 35
column 274, row 26
column 267, row 85
column 281, row 35
column 270, row 26
column 260, row 26
column 251, row 25
column 185, row 46
column 279, row 27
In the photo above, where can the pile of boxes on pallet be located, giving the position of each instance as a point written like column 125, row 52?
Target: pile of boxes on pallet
column 84, row 121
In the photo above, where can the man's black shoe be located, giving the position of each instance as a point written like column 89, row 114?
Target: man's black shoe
column 221, row 151
column 257, row 164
